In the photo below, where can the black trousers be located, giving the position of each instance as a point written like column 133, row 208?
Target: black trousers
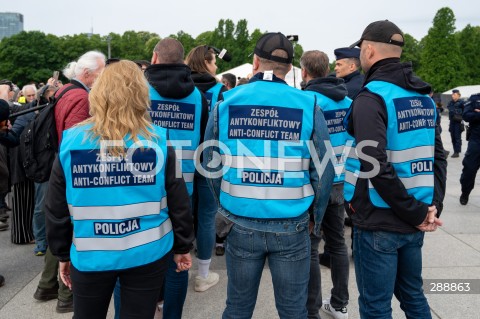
column 140, row 287
column 471, row 165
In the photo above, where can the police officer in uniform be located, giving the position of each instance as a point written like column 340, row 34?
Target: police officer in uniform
column 395, row 181
column 455, row 111
column 347, row 67
column 331, row 94
column 269, row 182
column 106, row 207
column 471, row 161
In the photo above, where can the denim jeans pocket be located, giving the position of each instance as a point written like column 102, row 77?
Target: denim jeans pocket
column 385, row 241
column 294, row 246
column 240, row 241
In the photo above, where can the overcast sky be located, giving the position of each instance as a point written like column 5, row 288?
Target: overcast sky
column 322, row 25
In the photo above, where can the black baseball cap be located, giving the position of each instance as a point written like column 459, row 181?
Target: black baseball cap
column 380, row 31
column 270, row 42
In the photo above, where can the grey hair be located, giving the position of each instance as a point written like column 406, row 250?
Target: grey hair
column 88, row 61
column 29, row 86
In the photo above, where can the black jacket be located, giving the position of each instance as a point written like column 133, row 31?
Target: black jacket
column 60, row 229
column 473, row 117
column 354, row 82
column 175, row 81
column 368, row 121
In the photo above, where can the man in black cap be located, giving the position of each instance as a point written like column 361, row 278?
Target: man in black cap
column 268, row 182
column 347, row 67
column 455, row 111
column 394, row 189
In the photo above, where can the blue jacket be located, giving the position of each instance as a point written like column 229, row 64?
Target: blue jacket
column 276, row 93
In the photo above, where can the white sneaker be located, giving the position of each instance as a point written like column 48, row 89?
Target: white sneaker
column 202, row 284
column 335, row 313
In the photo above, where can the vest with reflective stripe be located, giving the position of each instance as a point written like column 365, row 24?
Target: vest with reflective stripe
column 212, row 95
column 182, row 119
column 117, row 204
column 334, row 113
column 266, row 127
column 410, row 143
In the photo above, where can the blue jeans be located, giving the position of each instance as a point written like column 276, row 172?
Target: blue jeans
column 388, row 263
column 38, row 222
column 207, row 209
column 288, row 257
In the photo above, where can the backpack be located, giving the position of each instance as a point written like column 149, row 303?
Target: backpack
column 39, row 142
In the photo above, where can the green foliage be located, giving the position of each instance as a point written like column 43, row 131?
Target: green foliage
column 441, row 63
column 469, row 43
column 411, row 51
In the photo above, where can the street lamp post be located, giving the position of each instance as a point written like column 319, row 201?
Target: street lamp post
column 109, row 39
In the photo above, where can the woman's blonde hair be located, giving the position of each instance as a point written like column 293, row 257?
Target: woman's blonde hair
column 119, row 104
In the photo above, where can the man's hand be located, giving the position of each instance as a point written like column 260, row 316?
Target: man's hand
column 64, row 272
column 431, row 222
column 183, row 261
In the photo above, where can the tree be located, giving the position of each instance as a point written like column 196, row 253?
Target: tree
column 29, row 56
column 441, row 64
column 469, row 43
column 411, row 51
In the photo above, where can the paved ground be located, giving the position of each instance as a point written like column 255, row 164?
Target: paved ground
column 453, row 252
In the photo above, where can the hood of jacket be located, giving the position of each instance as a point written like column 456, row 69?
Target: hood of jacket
column 399, row 73
column 203, row 81
column 170, row 80
column 333, row 88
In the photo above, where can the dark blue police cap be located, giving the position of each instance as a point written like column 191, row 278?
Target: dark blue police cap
column 344, row 53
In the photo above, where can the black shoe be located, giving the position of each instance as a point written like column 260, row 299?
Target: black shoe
column 446, row 153
column 64, row 306
column 324, row 260
column 455, row 155
column 2, row 280
column 463, row 199
column 45, row 294
column 219, row 250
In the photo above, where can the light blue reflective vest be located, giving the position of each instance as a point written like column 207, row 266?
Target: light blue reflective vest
column 182, row 119
column 410, row 143
column 266, row 128
column 334, row 112
column 117, row 204
column 212, row 95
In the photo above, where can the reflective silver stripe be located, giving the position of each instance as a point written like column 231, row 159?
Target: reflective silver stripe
column 185, row 154
column 188, row 177
column 123, row 243
column 117, row 212
column 270, row 163
column 350, row 178
column 352, row 153
column 414, row 181
column 410, row 154
column 338, row 150
column 255, row 192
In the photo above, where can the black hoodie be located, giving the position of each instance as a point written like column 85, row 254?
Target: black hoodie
column 333, row 88
column 368, row 121
column 205, row 81
column 174, row 81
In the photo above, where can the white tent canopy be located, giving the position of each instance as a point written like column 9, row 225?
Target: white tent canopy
column 245, row 70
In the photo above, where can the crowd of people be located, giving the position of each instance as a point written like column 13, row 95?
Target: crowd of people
column 157, row 160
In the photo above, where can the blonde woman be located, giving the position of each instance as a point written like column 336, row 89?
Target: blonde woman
column 107, row 213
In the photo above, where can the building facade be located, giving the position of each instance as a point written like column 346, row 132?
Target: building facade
column 10, row 23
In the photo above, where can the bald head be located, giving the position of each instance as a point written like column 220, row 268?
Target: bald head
column 168, row 50
column 372, row 52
